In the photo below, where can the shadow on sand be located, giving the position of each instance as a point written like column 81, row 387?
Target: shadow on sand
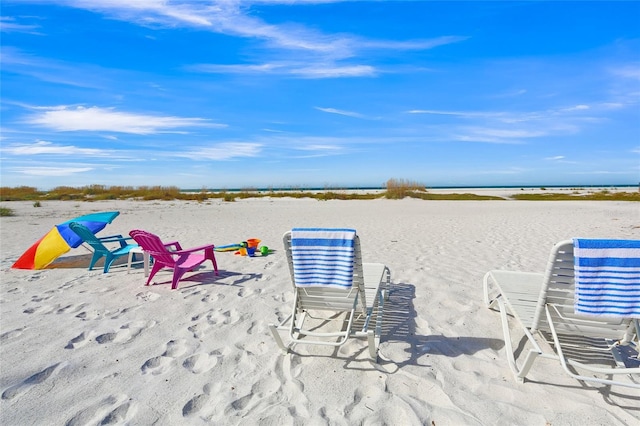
column 399, row 325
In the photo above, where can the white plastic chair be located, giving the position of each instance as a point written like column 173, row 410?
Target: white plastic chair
column 354, row 312
column 542, row 305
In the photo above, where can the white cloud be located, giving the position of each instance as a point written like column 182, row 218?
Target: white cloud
column 235, row 18
column 556, row 158
column 340, row 112
column 51, row 171
column 44, row 147
column 223, row 151
column 576, row 108
column 303, row 70
column 494, row 135
column 9, row 24
column 334, row 71
column 320, row 148
column 629, row 71
column 66, row 119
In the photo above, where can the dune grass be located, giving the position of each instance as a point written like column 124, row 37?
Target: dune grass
column 593, row 196
column 395, row 189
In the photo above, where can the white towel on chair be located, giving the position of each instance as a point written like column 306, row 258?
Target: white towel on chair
column 607, row 274
column 323, row 257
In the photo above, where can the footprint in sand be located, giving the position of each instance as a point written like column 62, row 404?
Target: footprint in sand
column 80, row 340
column 40, row 377
column 117, row 314
column 200, row 363
column 115, row 409
column 194, row 292
column 199, row 329
column 211, row 298
column 147, row 296
column 42, row 309
column 264, row 393
column 126, row 333
column 205, row 320
column 11, row 334
column 70, row 309
column 89, row 315
column 160, row 364
column 198, row 402
column 38, row 299
column 36, row 276
column 268, row 265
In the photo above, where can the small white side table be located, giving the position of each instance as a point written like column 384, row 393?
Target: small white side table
column 145, row 257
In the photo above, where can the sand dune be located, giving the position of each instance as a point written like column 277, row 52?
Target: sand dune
column 80, row 347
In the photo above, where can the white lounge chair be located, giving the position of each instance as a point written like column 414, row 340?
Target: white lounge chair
column 354, row 311
column 543, row 305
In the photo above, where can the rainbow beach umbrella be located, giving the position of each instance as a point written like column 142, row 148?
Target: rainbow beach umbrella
column 60, row 240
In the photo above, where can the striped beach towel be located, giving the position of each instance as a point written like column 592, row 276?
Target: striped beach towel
column 323, row 257
column 607, row 277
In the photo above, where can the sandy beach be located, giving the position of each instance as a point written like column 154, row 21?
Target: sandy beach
column 80, row 347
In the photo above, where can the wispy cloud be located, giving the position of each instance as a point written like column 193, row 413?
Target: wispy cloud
column 631, row 71
column 48, row 148
column 411, row 44
column 223, row 151
column 8, row 24
column 51, row 171
column 493, row 135
column 302, row 70
column 340, row 112
column 234, row 17
column 67, row 119
column 53, row 71
column 320, row 148
column 322, row 71
column 556, row 158
column 323, row 53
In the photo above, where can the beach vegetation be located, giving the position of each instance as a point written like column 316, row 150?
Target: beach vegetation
column 5, row 211
column 395, row 189
column 604, row 195
column 401, row 188
column 37, row 204
column 456, row 197
column 19, row 193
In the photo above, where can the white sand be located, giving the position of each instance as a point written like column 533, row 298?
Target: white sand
column 82, row 347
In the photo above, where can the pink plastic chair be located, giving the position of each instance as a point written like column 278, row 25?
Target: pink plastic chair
column 180, row 260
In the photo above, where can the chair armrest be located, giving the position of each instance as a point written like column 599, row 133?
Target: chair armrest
column 191, row 250
column 176, row 245
column 111, row 238
column 116, row 239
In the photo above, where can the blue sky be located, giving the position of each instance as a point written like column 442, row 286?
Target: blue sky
column 238, row 94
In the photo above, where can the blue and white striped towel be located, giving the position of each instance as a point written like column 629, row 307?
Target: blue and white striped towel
column 607, row 276
column 323, row 257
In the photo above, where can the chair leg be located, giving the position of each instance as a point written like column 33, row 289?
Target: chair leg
column 278, row 338
column 519, row 373
column 210, row 254
column 94, row 259
column 156, row 267
column 108, row 260
column 177, row 274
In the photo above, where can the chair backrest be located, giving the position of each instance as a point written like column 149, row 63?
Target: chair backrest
column 326, row 298
column 558, row 292
column 153, row 245
column 88, row 237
